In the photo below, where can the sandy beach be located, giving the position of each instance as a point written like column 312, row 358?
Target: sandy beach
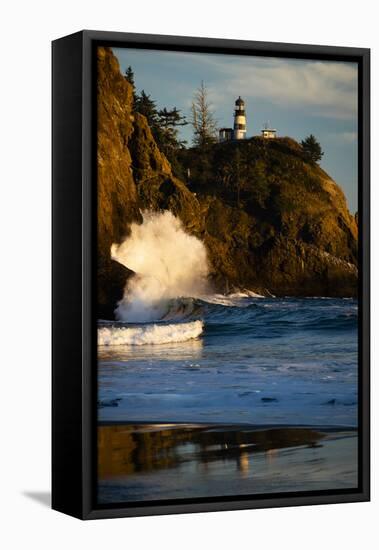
column 138, row 462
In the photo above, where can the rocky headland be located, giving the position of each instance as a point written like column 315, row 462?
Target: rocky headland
column 280, row 226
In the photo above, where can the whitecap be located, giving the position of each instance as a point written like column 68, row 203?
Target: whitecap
column 148, row 334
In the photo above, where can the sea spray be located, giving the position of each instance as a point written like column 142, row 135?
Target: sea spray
column 168, row 264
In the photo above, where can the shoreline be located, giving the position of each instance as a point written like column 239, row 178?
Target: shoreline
column 236, row 425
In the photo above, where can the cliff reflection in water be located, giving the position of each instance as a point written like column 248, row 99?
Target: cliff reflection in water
column 130, row 449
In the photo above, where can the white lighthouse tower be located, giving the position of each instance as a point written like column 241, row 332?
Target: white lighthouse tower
column 239, row 119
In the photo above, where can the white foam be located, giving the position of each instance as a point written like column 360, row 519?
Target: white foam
column 168, row 264
column 234, row 299
column 149, row 334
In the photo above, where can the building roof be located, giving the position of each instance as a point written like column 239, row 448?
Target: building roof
column 240, row 101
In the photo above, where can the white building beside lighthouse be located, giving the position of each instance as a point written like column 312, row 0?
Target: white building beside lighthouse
column 239, row 129
column 267, row 132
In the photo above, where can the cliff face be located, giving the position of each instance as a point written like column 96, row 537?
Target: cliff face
column 116, row 184
column 287, row 232
column 118, row 203
column 132, row 176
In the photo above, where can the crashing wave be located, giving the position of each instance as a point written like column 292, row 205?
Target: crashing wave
column 168, row 263
column 148, row 334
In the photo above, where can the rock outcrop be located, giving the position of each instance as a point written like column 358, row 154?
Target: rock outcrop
column 287, row 232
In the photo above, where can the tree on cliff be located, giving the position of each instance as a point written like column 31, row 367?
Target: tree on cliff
column 202, row 118
column 163, row 123
column 147, row 107
column 312, row 148
column 234, row 172
column 169, row 120
column 129, row 77
column 167, row 137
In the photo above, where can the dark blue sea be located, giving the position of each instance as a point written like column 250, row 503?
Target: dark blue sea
column 234, row 359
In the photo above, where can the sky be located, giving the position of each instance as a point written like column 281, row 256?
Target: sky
column 297, row 97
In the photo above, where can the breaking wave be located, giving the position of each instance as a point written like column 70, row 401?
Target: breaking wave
column 148, row 334
column 168, row 264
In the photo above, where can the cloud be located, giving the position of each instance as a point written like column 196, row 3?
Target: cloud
column 343, row 137
column 348, row 137
column 326, row 88
column 321, row 88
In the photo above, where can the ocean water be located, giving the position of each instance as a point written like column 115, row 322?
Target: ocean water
column 233, row 359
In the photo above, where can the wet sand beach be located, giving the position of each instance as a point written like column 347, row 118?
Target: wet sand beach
column 144, row 461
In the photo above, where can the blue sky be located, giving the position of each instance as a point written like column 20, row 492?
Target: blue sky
column 297, row 97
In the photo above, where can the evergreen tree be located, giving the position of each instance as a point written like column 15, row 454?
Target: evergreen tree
column 233, row 172
column 171, row 118
column 238, row 171
column 167, row 137
column 164, row 125
column 129, row 76
column 312, row 148
column 146, row 106
column 168, row 121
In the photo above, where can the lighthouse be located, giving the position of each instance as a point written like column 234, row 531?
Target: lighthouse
column 239, row 129
column 239, row 119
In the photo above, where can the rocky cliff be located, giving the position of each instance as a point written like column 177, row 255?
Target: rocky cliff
column 281, row 227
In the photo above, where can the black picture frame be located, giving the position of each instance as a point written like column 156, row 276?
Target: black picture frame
column 74, row 284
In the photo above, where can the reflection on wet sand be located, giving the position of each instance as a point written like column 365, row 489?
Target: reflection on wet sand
column 125, row 449
column 183, row 460
column 243, row 463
